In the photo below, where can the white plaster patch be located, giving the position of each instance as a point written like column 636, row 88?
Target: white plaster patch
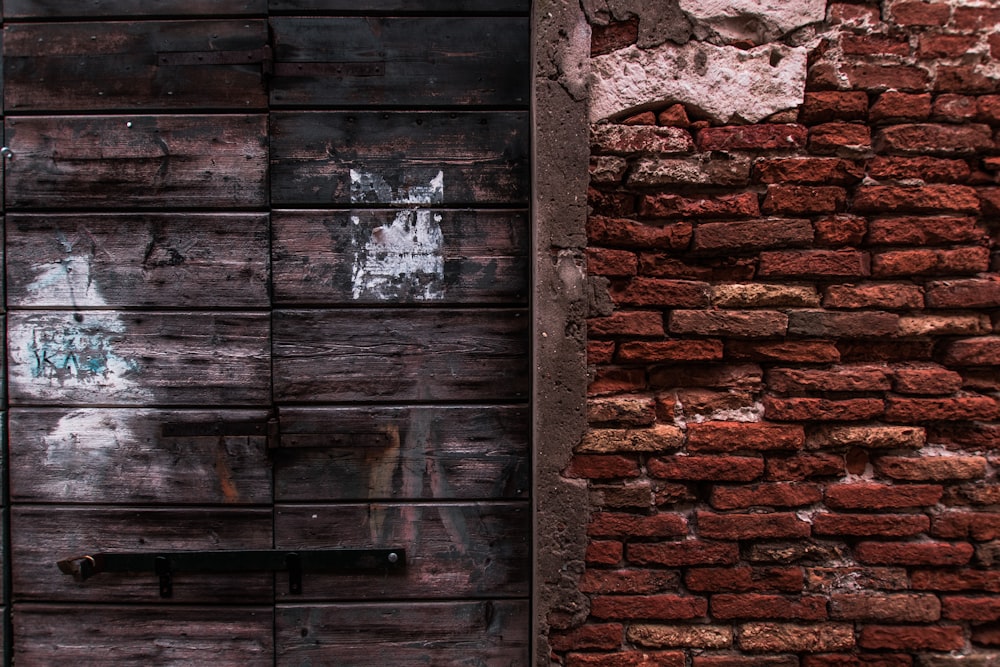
column 368, row 188
column 726, row 83
column 757, row 20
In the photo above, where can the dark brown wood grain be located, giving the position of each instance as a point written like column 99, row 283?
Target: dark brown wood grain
column 95, row 455
column 42, row 535
column 138, row 358
column 452, row 550
column 402, row 354
column 481, row 158
column 133, row 65
column 20, row 9
column 375, row 6
column 402, row 453
column 46, row 635
column 414, row 62
column 117, row 259
column 319, row 255
column 490, row 632
column 121, row 162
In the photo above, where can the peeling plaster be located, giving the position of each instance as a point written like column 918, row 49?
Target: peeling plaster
column 759, row 21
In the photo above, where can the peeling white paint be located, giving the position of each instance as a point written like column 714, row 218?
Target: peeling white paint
column 369, row 188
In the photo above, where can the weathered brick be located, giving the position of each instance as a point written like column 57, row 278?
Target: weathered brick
column 742, row 579
column 964, row 293
column 720, row 436
column 967, row 434
column 837, row 324
column 963, row 579
column 912, row 638
column 643, row 291
column 616, row 524
column 821, row 409
column 944, row 325
column 627, row 659
column 852, row 578
column 607, row 262
column 954, row 108
column 959, row 408
column 913, row 553
column 894, row 607
column 762, row 295
column 625, row 410
column 697, row 404
column 983, row 351
column 670, row 351
column 607, row 169
column 811, row 351
column 715, row 468
column 674, row 116
column 659, row 438
column 837, row 378
column 870, row 525
column 856, row 350
column 659, row 607
column 825, row 106
column 669, row 206
column 776, row 525
column 814, row 263
column 931, row 170
column 895, row 106
column 730, row 606
column 600, row 352
column 607, row 636
column 895, row 296
column 684, row 553
column 931, row 468
column 803, row 200
column 978, row 494
column 935, row 139
column 722, row 376
column 976, row 18
column 845, row 139
column 917, row 199
column 627, row 323
column 840, row 230
column 933, row 46
column 731, row 323
column 880, row 77
column 666, row 265
column 871, row 496
column 624, row 233
column 602, row 467
column 924, row 230
column 617, row 380
column 704, row 169
column 856, row 16
column 925, row 379
column 918, row 13
column 969, row 79
column 809, row 170
column 980, row 526
column 790, row 551
column 641, row 118
column 630, row 581
column 804, row 466
column 681, row 636
column 852, row 660
column 988, row 107
column 874, row 44
column 632, row 139
column 628, row 495
column 930, row 262
column 764, row 137
column 613, row 36
column 752, row 234
column 795, row 638
column 604, row 552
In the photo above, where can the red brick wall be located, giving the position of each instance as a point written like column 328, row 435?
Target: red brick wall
column 794, row 401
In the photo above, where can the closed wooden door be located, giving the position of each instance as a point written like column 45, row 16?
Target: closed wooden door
column 267, row 286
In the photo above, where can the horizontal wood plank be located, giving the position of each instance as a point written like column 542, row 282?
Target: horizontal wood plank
column 402, row 158
column 20, row 9
column 95, row 455
column 119, row 162
column 139, row 358
column 452, row 551
column 112, row 65
column 403, row 453
column 369, row 256
column 403, row 62
column 199, row 260
column 375, row 6
column 43, row 535
column 424, row 633
column 46, row 635
column 400, row 355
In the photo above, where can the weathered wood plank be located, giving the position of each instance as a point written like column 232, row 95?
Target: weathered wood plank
column 107, row 66
column 399, row 158
column 42, row 535
column 403, row 62
column 133, row 358
column 94, row 455
column 22, row 9
column 394, row 355
column 46, row 635
column 452, row 551
column 370, row 256
column 488, row 632
column 117, row 259
column 116, row 162
column 375, row 6
column 403, row 453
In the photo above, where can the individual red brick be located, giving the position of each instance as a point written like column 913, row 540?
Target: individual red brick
column 796, row 638
column 965, row 293
column 918, row 13
column 980, row 526
column 804, row 200
column 714, row 468
column 684, row 553
column 988, row 108
column 610, row 139
column 624, row 410
column 924, row 230
column 660, row 607
column 743, row 579
column 879, row 78
column 814, row 264
column 601, row 467
column 871, row 496
column 812, row 351
column 825, row 106
column 840, row 230
column 776, row 525
column 604, row 552
column 935, row 139
column 721, row 376
column 674, row 116
column 969, row 79
column 989, row 198
column 912, row 638
column 892, row 608
column 658, row 172
column 762, row 137
column 930, row 262
column 983, row 351
column 630, row 581
column 605, row 262
column 964, row 579
column 959, row 408
column 824, row 323
column 617, row 380
column 976, row 18
column 979, row 494
column 899, row 107
column 895, row 296
column 729, row 606
column 954, row 108
column 848, row 660
column 667, row 265
column 836, row 378
column 821, row 409
column 659, row 292
column 623, row 233
column 926, row 379
column 607, row 636
column 887, row 351
column 706, row 660
column 627, row 659
column 616, row 35
column 986, row 635
column 599, row 352
column 804, row 466
column 931, row 468
column 744, row 205
column 874, row 45
column 643, row 118
column 614, row 524
column 729, row 323
column 916, row 199
column 612, row 204
column 720, row 436
column 933, row 46
column 913, row 553
column 932, row 170
column 627, row 323
column 837, row 578
column 752, row 234
column 870, row 525
column 840, row 138
column 671, row 350
column 967, row 434
column 764, row 495
column 809, row 171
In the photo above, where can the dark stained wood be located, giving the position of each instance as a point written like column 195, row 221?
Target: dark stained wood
column 119, row 162
column 403, row 453
column 42, row 535
column 134, row 65
column 374, row 6
column 415, row 62
column 46, row 635
column 480, row 158
column 118, row 259
column 394, row 355
column 95, row 455
column 488, row 632
column 453, row 550
column 137, row 358
column 436, row 255
column 20, row 9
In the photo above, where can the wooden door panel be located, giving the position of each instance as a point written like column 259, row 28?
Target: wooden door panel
column 42, row 535
column 124, row 259
column 371, row 256
column 408, row 453
column 399, row 355
column 452, row 550
column 490, row 633
column 375, row 6
column 322, row 158
column 47, row 635
column 113, row 65
column 393, row 61
column 138, row 358
column 21, row 9
column 121, row 162
column 99, row 455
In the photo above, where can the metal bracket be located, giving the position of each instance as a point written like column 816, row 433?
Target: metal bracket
column 295, row 562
